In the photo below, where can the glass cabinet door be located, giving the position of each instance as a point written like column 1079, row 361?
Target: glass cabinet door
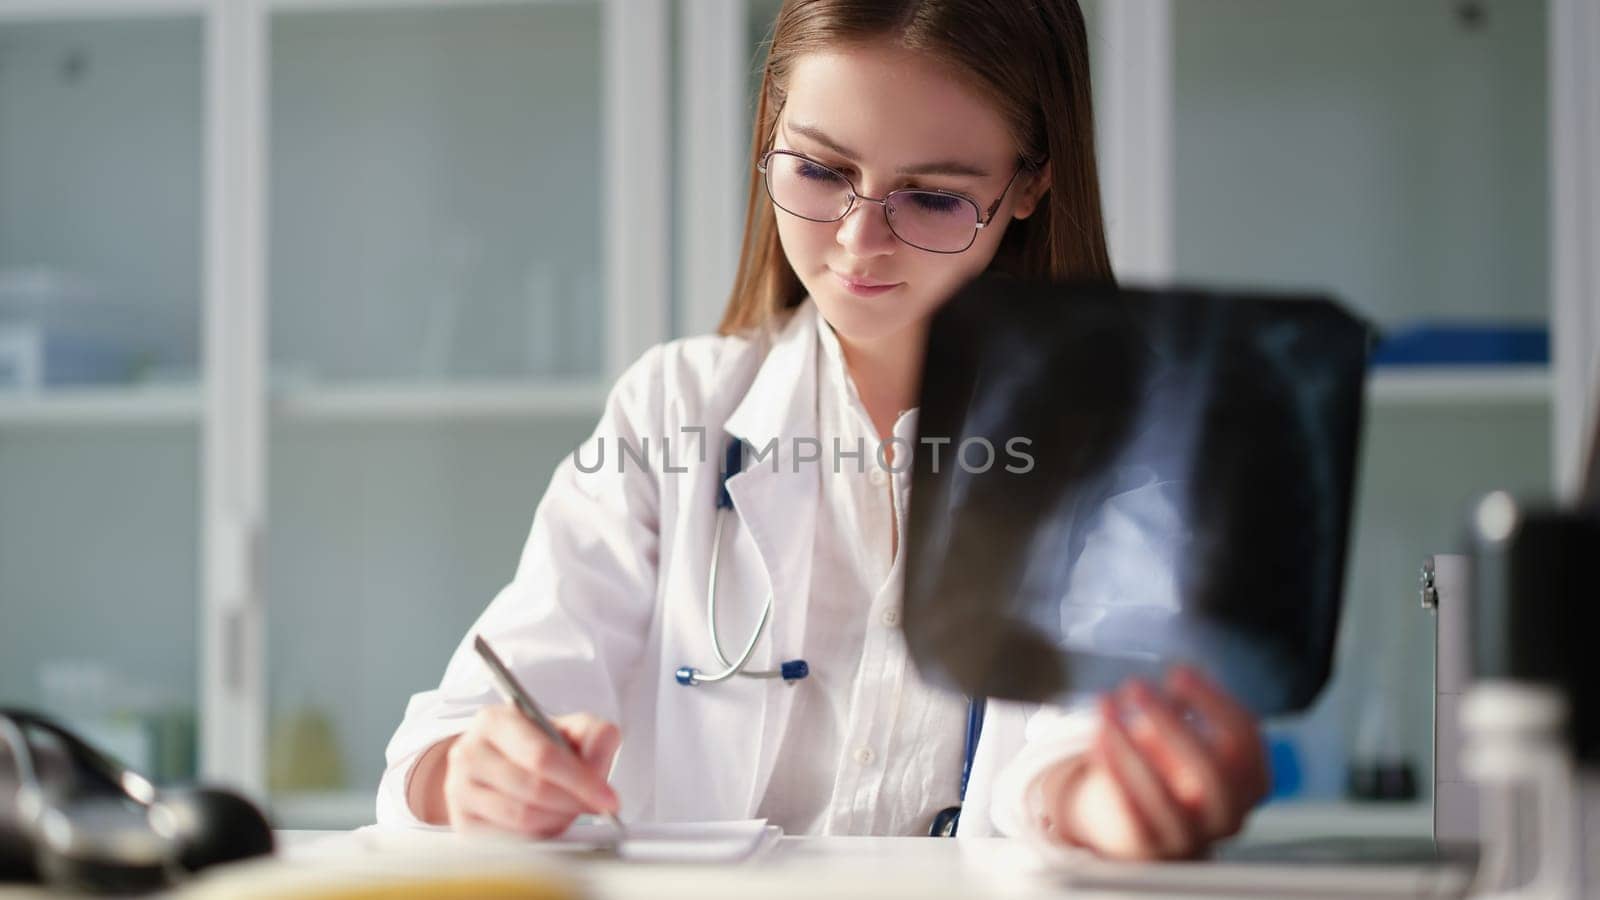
column 1392, row 155
column 435, row 205
column 101, row 181
column 437, row 345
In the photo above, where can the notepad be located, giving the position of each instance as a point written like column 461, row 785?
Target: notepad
column 671, row 842
column 726, row 841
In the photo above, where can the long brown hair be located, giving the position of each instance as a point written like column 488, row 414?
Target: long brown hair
column 1030, row 59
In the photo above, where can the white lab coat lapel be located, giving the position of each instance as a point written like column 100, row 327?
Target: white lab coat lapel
column 777, row 506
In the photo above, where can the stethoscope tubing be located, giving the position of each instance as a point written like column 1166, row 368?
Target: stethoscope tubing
column 730, row 669
column 692, row 677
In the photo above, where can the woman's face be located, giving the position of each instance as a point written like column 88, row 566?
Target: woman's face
column 889, row 118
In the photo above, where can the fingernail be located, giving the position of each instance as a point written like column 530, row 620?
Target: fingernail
column 1136, row 720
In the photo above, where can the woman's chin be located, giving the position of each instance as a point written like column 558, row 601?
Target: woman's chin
column 860, row 321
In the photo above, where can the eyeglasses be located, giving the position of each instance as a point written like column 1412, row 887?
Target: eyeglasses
column 933, row 220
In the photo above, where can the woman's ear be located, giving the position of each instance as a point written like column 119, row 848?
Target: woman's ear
column 1034, row 190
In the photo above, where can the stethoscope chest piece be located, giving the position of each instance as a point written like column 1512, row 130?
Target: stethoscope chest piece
column 790, row 671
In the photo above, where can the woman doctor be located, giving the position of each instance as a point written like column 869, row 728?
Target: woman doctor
column 901, row 147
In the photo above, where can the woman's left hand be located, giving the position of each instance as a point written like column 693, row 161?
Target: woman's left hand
column 1158, row 783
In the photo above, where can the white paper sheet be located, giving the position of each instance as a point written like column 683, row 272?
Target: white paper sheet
column 726, row 841
column 686, row 842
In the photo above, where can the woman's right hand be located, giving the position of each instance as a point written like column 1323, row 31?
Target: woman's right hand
column 503, row 773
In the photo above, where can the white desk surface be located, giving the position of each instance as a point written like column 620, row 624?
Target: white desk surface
column 922, row 868
column 812, row 868
column 797, row 868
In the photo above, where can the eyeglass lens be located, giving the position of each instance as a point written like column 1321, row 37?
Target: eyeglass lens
column 926, row 219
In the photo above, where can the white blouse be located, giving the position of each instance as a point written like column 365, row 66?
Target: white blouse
column 872, row 748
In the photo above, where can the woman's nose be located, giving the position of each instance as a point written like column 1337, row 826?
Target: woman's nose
column 864, row 231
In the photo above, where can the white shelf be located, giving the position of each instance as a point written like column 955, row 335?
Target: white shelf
column 1460, row 386
column 115, row 406
column 512, row 400
column 403, row 402
column 376, row 402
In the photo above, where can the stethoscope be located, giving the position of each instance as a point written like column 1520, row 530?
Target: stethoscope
column 790, row 670
column 944, row 824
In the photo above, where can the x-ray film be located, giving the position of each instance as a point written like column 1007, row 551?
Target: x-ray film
column 1108, row 481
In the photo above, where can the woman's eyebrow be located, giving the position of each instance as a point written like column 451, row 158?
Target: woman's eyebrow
column 942, row 167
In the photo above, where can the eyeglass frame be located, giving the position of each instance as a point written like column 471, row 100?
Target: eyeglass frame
column 983, row 219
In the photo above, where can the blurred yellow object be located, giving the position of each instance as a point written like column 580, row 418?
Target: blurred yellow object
column 465, row 887
column 356, row 867
column 292, row 882
column 304, row 754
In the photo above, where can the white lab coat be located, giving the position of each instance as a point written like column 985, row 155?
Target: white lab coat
column 609, row 597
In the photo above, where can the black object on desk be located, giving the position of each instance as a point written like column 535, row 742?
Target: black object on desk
column 1132, row 478
column 72, row 817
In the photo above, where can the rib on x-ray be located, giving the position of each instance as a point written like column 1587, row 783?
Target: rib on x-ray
column 1169, row 479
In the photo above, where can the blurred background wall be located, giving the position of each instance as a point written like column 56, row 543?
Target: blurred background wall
column 439, row 271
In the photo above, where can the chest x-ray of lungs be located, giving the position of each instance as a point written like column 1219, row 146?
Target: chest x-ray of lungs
column 1170, row 480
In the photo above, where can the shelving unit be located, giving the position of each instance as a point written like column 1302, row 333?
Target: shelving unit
column 396, row 402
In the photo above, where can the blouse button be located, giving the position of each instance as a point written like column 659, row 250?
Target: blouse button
column 877, row 477
column 891, row 617
column 865, row 756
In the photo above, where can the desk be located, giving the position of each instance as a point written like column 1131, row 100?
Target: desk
column 797, row 868
column 805, row 868
column 921, row 868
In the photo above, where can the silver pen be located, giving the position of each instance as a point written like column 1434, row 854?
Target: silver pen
column 517, row 696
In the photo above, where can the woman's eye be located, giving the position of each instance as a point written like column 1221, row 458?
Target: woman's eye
column 935, row 203
column 814, row 172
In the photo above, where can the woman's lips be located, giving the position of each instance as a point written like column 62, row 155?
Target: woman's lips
column 863, row 288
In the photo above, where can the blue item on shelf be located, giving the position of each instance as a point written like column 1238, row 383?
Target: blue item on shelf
column 70, row 360
column 1448, row 343
column 1283, row 758
column 31, row 359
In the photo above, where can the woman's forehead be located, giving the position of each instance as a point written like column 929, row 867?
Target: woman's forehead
column 893, row 108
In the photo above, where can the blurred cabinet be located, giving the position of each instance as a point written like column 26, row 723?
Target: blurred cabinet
column 327, row 288
column 102, row 256
column 301, row 301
